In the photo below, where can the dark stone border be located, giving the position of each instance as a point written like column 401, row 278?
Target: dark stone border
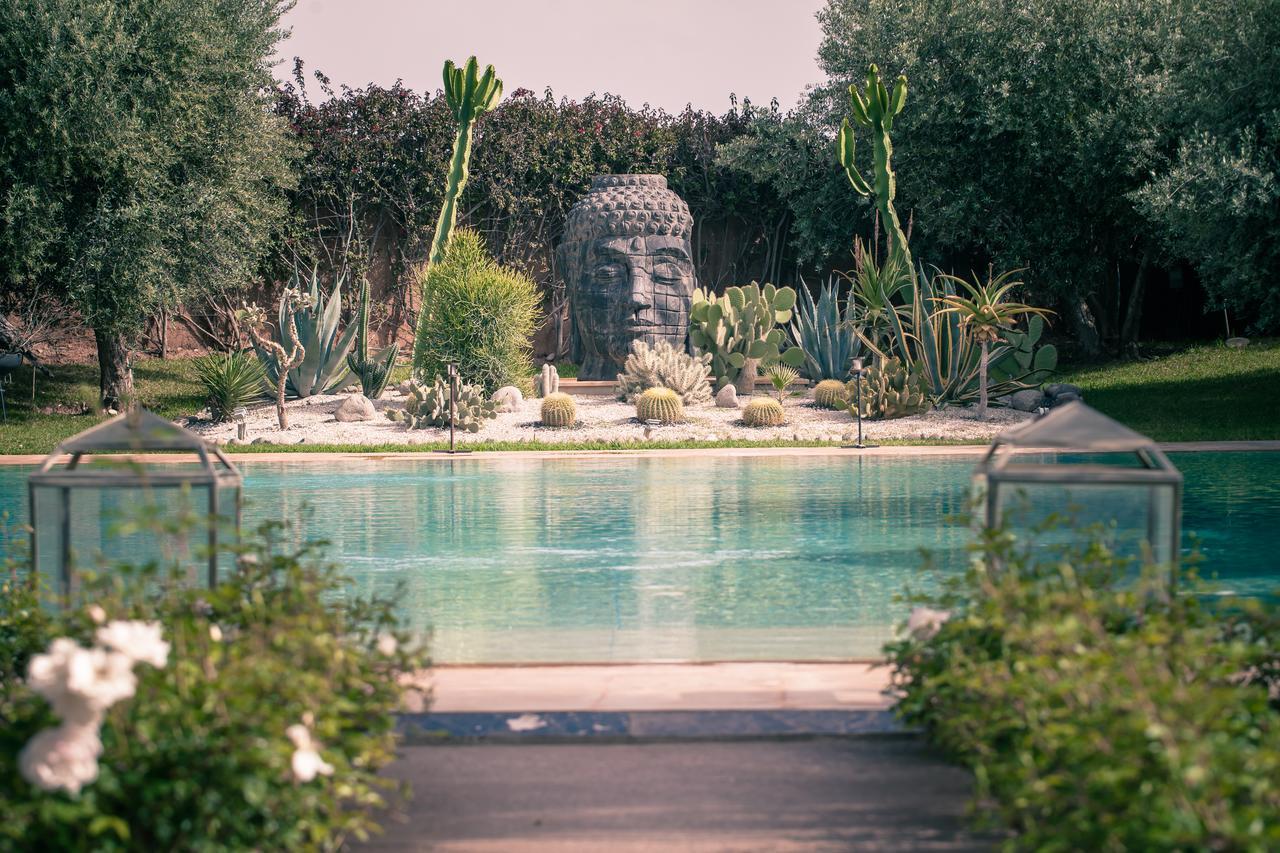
column 536, row 727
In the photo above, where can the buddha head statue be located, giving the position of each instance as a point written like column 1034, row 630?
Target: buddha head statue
column 628, row 270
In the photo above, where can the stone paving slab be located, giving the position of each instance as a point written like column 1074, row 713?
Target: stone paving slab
column 889, row 794
column 659, row 687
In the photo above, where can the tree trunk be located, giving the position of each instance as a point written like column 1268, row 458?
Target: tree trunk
column 282, row 414
column 1086, row 330
column 1133, row 313
column 746, row 381
column 115, row 376
column 982, row 381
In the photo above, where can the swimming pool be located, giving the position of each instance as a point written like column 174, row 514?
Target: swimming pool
column 714, row 557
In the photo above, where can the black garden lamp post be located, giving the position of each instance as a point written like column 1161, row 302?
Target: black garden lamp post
column 857, row 369
column 452, row 374
column 75, row 491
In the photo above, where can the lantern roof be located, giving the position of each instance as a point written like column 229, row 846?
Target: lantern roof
column 136, row 431
column 1077, row 429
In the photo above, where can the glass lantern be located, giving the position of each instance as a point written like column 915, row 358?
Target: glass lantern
column 84, row 494
column 1078, row 461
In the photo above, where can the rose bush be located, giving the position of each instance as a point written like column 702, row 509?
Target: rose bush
column 254, row 715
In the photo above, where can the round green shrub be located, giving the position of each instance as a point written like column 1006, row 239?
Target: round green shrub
column 763, row 412
column 660, row 404
column 559, row 410
column 831, row 394
column 478, row 315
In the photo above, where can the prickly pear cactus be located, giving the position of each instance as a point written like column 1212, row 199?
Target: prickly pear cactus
column 739, row 330
column 763, row 412
column 428, row 406
column 890, row 390
column 1023, row 362
column 831, row 394
column 559, row 410
column 660, row 404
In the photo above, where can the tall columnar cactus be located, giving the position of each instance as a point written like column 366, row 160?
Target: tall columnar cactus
column 875, row 111
column 374, row 372
column 739, row 330
column 660, row 404
column 468, row 94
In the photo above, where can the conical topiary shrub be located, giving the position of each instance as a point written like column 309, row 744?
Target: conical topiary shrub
column 831, row 394
column 559, row 410
column 763, row 412
column 660, row 404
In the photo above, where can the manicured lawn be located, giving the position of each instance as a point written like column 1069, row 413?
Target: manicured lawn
column 1199, row 393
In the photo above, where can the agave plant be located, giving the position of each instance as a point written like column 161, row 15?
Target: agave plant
column 323, row 368
column 825, row 333
column 374, row 371
column 985, row 313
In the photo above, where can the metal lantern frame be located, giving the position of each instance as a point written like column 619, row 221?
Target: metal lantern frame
column 1077, row 428
column 137, row 431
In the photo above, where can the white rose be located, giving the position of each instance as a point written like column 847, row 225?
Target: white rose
column 924, row 622
column 81, row 683
column 140, row 641
column 215, row 633
column 387, row 645
column 306, row 762
column 65, row 757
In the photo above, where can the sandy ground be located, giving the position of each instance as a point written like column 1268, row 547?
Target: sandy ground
column 604, row 419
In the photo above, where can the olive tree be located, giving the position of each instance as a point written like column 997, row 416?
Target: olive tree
column 139, row 158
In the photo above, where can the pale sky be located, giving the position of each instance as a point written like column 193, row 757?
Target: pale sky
column 664, row 52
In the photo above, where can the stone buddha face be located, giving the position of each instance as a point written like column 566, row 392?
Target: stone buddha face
column 624, row 287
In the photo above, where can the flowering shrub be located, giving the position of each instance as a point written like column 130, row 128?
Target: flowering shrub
column 251, row 716
column 1097, row 710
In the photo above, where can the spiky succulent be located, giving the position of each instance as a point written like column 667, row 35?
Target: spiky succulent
column 739, row 330
column 763, row 412
column 559, row 410
column 428, row 406
column 664, row 366
column 831, row 394
column 890, row 390
column 660, row 404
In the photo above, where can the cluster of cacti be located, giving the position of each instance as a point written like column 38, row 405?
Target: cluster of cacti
column 875, row 111
column 428, row 406
column 660, row 404
column 763, row 412
column 374, row 371
column 831, row 394
column 308, row 321
column 547, row 382
column 664, row 366
column 890, row 389
column 559, row 410
column 739, row 330
column 1024, row 362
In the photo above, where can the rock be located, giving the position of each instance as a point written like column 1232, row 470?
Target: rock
column 508, row 398
column 260, row 440
column 1237, row 343
column 1064, row 398
column 1026, row 401
column 727, row 398
column 357, row 407
column 1058, row 388
column 405, row 387
column 351, row 389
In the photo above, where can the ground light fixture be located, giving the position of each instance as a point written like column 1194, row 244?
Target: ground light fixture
column 1076, row 460
column 100, row 475
column 452, row 373
column 857, row 370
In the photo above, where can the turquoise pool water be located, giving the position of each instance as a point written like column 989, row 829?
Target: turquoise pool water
column 679, row 558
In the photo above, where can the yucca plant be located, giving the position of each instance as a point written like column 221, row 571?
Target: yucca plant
column 985, row 313
column 781, row 376
column 230, row 380
column 323, row 368
column 874, row 291
column 825, row 333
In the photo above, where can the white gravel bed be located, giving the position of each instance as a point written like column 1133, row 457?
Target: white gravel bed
column 600, row 418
